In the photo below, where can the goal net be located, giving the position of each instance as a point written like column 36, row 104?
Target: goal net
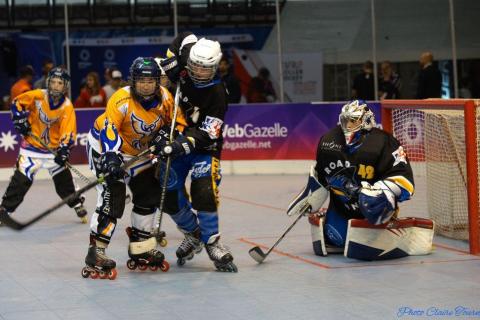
column 440, row 138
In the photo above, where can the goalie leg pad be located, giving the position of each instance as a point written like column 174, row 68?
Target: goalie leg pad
column 318, row 238
column 335, row 228
column 311, row 198
column 397, row 239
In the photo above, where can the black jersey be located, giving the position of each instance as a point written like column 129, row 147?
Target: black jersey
column 204, row 107
column 378, row 157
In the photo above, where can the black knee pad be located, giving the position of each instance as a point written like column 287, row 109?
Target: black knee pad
column 113, row 203
column 64, row 186
column 172, row 203
column 145, row 189
column 204, row 194
column 16, row 190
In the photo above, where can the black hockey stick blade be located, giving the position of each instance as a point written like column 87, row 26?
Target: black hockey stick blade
column 9, row 222
column 257, row 254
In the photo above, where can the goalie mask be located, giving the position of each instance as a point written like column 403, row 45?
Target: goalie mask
column 57, row 89
column 144, row 79
column 356, row 117
column 203, row 61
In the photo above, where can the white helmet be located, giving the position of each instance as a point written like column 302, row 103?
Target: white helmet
column 159, row 62
column 356, row 116
column 203, row 61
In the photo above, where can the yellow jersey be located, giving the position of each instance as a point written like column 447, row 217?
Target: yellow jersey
column 55, row 125
column 134, row 125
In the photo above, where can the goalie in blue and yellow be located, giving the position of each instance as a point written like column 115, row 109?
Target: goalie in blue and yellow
column 134, row 115
column 44, row 118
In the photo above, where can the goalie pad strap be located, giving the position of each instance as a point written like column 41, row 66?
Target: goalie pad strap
column 143, row 246
column 396, row 239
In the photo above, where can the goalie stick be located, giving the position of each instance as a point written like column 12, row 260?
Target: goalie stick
column 258, row 255
column 157, row 232
column 15, row 225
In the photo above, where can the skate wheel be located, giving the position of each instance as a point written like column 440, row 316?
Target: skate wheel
column 94, row 274
column 85, row 273
column 153, row 268
column 128, row 230
column 142, row 267
column 165, row 266
column 112, row 274
column 163, row 242
column 84, row 220
column 131, row 264
column 103, row 275
column 180, row 262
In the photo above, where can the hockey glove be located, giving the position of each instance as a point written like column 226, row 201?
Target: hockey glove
column 377, row 202
column 171, row 68
column 62, row 155
column 343, row 186
column 181, row 146
column 160, row 140
column 20, row 123
column 111, row 165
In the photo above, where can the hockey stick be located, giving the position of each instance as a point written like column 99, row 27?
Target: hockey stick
column 67, row 164
column 15, row 225
column 258, row 255
column 82, row 177
column 157, row 233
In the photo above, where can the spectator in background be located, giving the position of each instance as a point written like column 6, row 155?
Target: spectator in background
column 41, row 83
column 231, row 82
column 92, row 96
column 389, row 83
column 363, row 86
column 464, row 89
column 429, row 79
column 24, row 83
column 260, row 88
column 114, row 84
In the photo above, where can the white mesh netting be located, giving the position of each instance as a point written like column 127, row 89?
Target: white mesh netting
column 435, row 144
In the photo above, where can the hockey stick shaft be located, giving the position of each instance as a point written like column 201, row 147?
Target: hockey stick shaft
column 67, row 164
column 7, row 220
column 168, row 164
column 285, row 233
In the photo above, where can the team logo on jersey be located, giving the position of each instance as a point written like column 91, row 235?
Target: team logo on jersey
column 400, row 156
column 48, row 122
column 331, row 145
column 212, row 126
column 143, row 129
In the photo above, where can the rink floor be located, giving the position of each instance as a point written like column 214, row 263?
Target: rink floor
column 40, row 269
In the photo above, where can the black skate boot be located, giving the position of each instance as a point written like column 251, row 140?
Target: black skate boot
column 221, row 256
column 143, row 253
column 2, row 211
column 190, row 246
column 81, row 211
column 98, row 265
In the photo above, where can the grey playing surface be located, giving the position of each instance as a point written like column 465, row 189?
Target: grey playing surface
column 41, row 266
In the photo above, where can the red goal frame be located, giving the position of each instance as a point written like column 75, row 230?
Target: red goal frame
column 469, row 107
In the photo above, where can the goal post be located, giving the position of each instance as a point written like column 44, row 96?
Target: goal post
column 441, row 138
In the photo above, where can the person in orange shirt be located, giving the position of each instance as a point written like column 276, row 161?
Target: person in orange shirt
column 23, row 84
column 93, row 95
column 48, row 115
column 133, row 116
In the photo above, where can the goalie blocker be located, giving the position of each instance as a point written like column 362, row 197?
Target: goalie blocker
column 396, row 239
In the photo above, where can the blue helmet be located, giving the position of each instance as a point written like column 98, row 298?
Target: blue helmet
column 144, row 67
column 61, row 73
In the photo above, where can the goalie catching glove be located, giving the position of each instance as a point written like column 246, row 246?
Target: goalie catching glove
column 311, row 198
column 377, row 202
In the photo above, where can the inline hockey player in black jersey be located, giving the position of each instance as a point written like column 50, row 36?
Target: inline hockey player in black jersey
column 366, row 172
column 192, row 64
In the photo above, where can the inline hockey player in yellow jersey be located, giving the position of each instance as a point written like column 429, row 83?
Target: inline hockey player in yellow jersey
column 45, row 115
column 134, row 114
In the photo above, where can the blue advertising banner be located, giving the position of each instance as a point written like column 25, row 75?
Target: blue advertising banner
column 251, row 132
